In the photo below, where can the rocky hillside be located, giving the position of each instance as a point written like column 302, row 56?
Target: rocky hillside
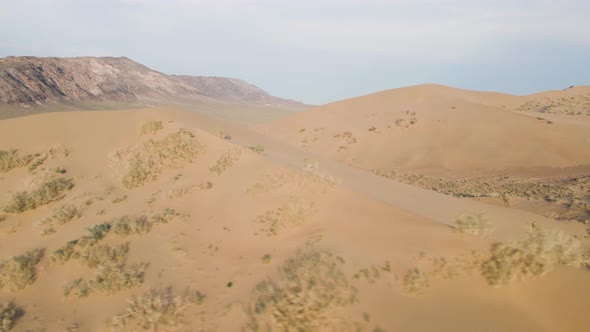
column 32, row 80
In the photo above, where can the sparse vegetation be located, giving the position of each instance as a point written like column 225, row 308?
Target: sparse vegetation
column 256, row 148
column 19, row 272
column 538, row 253
column 128, row 225
column 9, row 314
column 49, row 191
column 293, row 213
column 474, row 224
column 145, row 162
column 156, row 309
column 226, row 160
column 11, row 159
column 415, row 281
column 309, row 286
column 109, row 280
column 151, row 127
column 119, row 199
column 60, row 216
column 103, row 255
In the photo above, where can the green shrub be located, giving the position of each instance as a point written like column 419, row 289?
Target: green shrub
column 19, row 272
column 9, row 314
column 49, row 191
column 128, row 225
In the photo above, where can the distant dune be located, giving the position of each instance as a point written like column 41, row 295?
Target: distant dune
column 442, row 130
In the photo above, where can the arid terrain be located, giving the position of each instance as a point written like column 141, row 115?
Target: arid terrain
column 426, row 208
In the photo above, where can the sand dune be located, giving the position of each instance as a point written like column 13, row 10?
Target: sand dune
column 284, row 238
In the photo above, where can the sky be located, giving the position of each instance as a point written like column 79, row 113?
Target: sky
column 318, row 51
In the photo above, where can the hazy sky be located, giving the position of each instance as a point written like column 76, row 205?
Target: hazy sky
column 319, row 51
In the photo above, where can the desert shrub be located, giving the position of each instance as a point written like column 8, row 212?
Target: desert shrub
column 128, row 225
column 154, row 310
column 97, row 233
column 226, row 160
column 295, row 212
column 58, row 150
column 309, row 286
column 164, row 217
column 257, row 148
column 474, row 224
column 109, row 280
column 145, row 162
column 38, row 162
column 9, row 314
column 64, row 253
column 537, row 254
column 103, row 255
column 151, row 127
column 10, row 159
column 415, row 281
column 20, row 271
column 48, row 191
column 60, row 216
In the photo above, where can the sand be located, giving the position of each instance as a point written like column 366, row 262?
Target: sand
column 335, row 242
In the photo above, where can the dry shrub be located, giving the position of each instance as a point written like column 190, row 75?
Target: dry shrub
column 415, row 281
column 50, row 190
column 155, row 309
column 58, row 150
column 103, row 255
column 64, row 253
column 474, row 224
column 151, row 127
column 226, row 160
column 10, row 159
column 257, row 148
column 145, row 162
column 9, row 314
column 309, row 287
column 128, row 225
column 538, row 253
column 164, row 217
column 19, row 272
column 109, row 280
column 60, row 216
column 295, row 212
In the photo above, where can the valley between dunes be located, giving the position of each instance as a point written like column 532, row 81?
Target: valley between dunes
column 215, row 226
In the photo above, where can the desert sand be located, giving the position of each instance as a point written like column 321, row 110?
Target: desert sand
column 248, row 228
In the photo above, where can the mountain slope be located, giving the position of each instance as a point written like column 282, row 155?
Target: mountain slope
column 32, row 80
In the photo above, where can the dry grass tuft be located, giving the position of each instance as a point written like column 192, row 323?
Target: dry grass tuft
column 537, row 254
column 19, row 272
column 9, row 314
column 145, row 162
column 256, row 148
column 294, row 213
column 109, row 280
column 309, row 287
column 154, row 310
column 226, row 160
column 48, row 191
column 474, row 224
column 11, row 159
column 151, row 127
column 60, row 216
